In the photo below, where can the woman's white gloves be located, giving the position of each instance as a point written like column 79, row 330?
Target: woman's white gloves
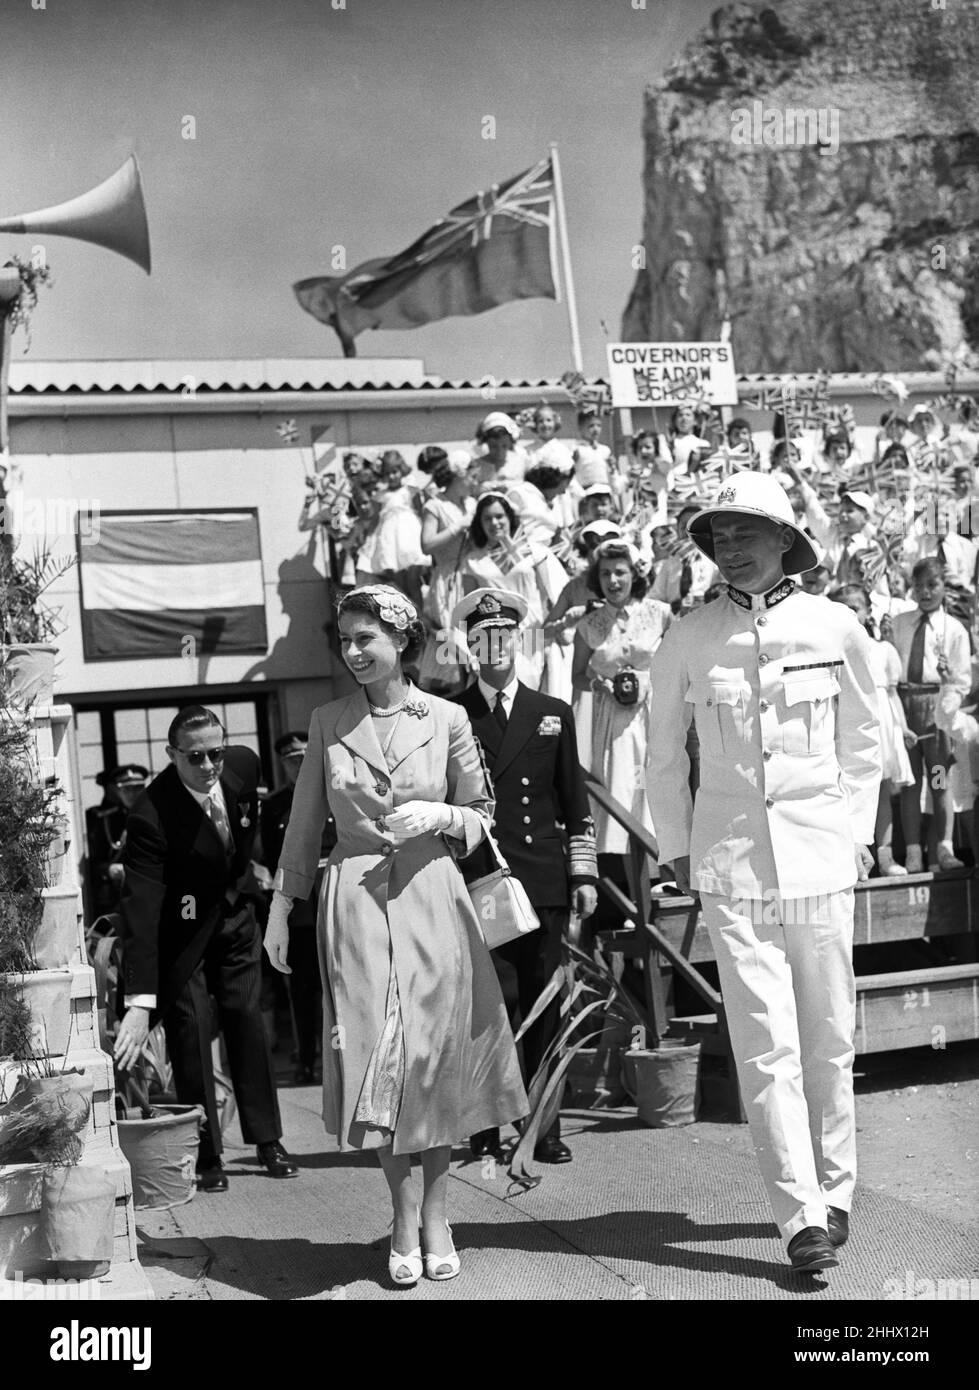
column 418, row 818
column 277, row 932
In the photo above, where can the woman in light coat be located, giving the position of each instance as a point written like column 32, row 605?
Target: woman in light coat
column 417, row 1051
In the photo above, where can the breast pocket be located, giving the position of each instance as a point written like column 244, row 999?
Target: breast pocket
column 809, row 722
column 719, row 714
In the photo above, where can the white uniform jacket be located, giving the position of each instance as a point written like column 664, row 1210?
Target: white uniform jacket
column 781, row 689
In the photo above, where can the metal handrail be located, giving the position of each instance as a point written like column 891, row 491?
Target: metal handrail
column 642, row 843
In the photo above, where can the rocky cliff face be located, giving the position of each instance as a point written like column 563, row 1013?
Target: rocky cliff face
column 858, row 253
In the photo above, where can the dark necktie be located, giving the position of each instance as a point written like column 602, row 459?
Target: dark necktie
column 916, row 657
column 499, row 711
column 686, row 578
column 941, row 557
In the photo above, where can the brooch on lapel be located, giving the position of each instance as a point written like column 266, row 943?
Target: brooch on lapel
column 550, row 724
column 243, row 819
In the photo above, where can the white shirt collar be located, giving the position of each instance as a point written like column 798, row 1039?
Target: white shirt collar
column 489, row 693
column 216, row 795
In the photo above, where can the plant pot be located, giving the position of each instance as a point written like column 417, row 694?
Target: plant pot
column 29, row 672
column 594, row 1078
column 162, row 1154
column 663, row 1083
column 48, row 995
column 69, row 1098
column 78, row 1207
column 56, row 942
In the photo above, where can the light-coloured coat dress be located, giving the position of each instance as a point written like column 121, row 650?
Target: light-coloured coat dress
column 405, row 907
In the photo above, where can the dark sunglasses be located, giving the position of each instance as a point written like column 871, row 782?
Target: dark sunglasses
column 196, row 758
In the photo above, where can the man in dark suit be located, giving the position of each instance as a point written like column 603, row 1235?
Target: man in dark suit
column 187, row 934
column 531, row 753
column 304, row 983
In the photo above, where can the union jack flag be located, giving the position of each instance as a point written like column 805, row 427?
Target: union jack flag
column 496, row 246
column 527, row 198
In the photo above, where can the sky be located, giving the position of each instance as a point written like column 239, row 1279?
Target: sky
column 315, row 127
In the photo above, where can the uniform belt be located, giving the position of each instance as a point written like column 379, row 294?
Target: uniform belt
column 918, row 688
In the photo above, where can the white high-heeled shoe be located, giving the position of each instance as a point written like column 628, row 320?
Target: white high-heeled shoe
column 441, row 1267
column 405, row 1270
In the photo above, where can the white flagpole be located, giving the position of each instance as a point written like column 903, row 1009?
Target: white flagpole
column 562, row 227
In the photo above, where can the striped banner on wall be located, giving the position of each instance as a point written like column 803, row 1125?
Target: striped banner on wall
column 153, row 579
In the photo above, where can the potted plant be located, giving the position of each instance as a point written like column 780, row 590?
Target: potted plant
column 28, row 625
column 41, row 1123
column 47, row 1108
column 591, row 994
column 37, row 924
column 159, row 1138
column 44, row 1108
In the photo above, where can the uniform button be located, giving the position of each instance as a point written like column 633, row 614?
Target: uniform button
column 769, row 801
column 767, row 754
column 763, row 704
column 709, row 701
column 525, row 800
column 762, row 620
column 525, row 781
column 763, row 660
column 526, row 820
column 528, row 839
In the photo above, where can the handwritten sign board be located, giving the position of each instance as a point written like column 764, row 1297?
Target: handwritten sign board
column 671, row 374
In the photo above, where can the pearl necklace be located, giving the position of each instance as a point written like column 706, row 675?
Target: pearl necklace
column 411, row 704
column 387, row 713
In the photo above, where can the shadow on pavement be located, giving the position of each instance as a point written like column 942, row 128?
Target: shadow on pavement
column 257, row 1267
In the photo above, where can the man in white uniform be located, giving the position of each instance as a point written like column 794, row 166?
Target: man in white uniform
column 780, row 687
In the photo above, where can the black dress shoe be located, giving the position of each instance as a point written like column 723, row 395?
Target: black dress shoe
column 212, row 1177
column 486, row 1144
column 552, row 1150
column 810, row 1251
column 839, row 1226
column 276, row 1161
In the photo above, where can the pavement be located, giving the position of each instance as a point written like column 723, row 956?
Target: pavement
column 639, row 1214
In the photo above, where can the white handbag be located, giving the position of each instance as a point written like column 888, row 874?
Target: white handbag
column 500, row 902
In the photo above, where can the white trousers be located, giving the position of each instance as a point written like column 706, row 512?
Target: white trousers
column 786, row 973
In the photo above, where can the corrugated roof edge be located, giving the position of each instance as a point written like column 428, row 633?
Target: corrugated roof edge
column 180, row 377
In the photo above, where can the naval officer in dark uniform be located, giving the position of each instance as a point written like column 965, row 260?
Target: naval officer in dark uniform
column 105, row 832
column 543, row 821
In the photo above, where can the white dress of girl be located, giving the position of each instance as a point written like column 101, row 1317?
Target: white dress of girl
column 620, row 640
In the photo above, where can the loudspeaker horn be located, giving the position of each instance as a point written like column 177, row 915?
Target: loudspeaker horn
column 112, row 215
